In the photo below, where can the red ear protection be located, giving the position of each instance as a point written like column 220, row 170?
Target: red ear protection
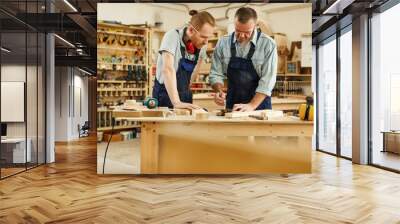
column 190, row 48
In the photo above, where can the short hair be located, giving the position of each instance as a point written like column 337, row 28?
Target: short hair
column 244, row 14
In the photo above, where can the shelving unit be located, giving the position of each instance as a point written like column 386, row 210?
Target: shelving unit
column 288, row 85
column 155, row 39
column 289, row 81
column 104, row 117
column 123, row 68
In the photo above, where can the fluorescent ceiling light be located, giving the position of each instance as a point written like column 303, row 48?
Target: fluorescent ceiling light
column 86, row 72
column 5, row 50
column 70, row 5
column 65, row 41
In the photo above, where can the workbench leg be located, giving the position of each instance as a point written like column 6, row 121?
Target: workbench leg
column 149, row 149
column 305, row 145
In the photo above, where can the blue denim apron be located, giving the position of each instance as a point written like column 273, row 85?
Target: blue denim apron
column 183, row 76
column 243, row 79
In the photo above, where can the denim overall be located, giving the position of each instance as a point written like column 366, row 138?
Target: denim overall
column 183, row 76
column 243, row 79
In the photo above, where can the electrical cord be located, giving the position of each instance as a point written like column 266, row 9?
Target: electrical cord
column 108, row 143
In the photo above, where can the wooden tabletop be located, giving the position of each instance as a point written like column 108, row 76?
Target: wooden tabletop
column 218, row 119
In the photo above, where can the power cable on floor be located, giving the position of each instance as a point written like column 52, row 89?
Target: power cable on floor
column 108, row 143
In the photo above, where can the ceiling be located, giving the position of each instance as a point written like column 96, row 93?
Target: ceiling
column 330, row 15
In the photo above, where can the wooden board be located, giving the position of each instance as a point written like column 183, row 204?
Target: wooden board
column 266, row 113
column 143, row 113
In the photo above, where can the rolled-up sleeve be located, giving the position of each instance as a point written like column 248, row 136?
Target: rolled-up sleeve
column 268, row 71
column 216, row 73
column 169, row 42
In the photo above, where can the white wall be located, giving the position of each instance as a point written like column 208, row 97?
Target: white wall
column 293, row 22
column 12, row 73
column 34, row 125
column 67, row 114
column 140, row 13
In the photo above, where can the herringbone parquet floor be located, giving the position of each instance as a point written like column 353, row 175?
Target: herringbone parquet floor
column 70, row 191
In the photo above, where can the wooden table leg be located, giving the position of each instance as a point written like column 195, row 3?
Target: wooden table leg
column 149, row 149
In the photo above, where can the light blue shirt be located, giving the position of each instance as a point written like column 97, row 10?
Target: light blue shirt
column 172, row 42
column 264, row 60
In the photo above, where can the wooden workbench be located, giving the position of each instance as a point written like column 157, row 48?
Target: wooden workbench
column 286, row 104
column 183, row 145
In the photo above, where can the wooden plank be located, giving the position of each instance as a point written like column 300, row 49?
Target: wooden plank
column 121, row 113
column 142, row 113
column 154, row 113
column 237, row 114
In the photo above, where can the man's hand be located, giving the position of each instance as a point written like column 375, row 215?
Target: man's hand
column 181, row 105
column 243, row 107
column 219, row 98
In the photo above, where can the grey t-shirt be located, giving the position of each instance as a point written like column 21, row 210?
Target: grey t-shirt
column 172, row 42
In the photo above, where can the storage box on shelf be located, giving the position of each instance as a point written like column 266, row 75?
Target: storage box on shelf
column 123, row 68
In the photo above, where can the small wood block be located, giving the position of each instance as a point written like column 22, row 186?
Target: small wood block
column 196, row 111
column 181, row 112
column 201, row 116
column 263, row 113
column 236, row 114
column 135, row 108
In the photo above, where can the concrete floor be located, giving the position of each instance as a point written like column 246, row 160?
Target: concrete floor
column 122, row 157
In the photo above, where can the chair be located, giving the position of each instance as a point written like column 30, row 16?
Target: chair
column 84, row 130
